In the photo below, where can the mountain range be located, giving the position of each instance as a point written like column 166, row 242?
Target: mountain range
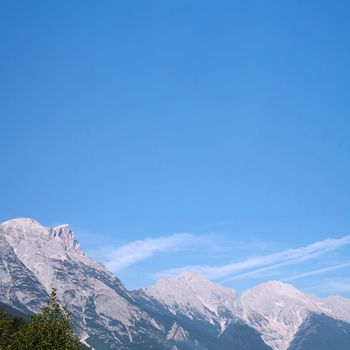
column 181, row 313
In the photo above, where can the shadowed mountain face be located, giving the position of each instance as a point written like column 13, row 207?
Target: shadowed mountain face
column 196, row 333
column 321, row 332
column 183, row 313
column 12, row 312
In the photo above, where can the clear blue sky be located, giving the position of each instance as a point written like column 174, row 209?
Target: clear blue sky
column 228, row 121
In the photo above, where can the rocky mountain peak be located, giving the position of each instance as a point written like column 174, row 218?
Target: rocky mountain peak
column 24, row 225
column 25, row 234
column 65, row 233
column 189, row 276
column 188, row 311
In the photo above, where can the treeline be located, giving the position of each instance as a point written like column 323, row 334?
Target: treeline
column 48, row 330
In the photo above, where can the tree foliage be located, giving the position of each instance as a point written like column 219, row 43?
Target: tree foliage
column 8, row 327
column 48, row 330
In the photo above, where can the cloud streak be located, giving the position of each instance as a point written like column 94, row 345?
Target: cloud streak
column 330, row 286
column 340, row 285
column 316, row 272
column 131, row 253
column 253, row 267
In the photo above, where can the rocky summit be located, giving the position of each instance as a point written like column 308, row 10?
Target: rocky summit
column 181, row 313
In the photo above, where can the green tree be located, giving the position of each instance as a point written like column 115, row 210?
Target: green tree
column 8, row 326
column 48, row 330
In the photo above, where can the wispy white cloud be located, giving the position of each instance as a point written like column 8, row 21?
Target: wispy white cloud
column 131, row 253
column 316, row 272
column 340, row 285
column 330, row 286
column 257, row 265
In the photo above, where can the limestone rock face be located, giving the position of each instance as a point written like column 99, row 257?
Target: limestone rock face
column 182, row 313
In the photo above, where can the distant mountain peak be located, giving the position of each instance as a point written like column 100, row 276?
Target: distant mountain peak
column 64, row 227
column 35, row 259
column 276, row 287
column 190, row 280
column 192, row 294
column 26, row 234
column 65, row 233
column 184, row 312
column 24, row 222
column 192, row 276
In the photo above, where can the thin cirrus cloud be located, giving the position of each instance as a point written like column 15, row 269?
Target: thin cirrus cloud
column 253, row 267
column 339, row 285
column 330, row 286
column 131, row 253
column 316, row 272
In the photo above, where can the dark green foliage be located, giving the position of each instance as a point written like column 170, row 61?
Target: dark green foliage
column 48, row 330
column 8, row 327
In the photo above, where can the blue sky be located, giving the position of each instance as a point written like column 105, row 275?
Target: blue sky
column 204, row 135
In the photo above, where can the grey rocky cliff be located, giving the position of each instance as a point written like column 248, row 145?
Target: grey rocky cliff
column 181, row 313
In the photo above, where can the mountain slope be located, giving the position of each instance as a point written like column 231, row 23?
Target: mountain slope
column 321, row 332
column 193, row 295
column 19, row 286
column 35, row 259
column 182, row 313
column 204, row 309
column 274, row 310
column 278, row 311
